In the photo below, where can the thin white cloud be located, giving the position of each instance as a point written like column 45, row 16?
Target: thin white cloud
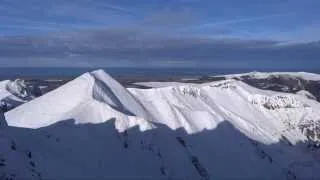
column 45, row 15
column 243, row 20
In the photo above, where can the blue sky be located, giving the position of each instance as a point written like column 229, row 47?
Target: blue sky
column 160, row 33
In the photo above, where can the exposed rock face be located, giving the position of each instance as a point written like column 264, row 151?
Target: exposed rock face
column 277, row 101
column 284, row 84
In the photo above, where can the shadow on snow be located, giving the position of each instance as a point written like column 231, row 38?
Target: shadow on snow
column 73, row 150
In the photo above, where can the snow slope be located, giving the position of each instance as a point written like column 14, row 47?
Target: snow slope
column 93, row 127
column 91, row 98
column 292, row 82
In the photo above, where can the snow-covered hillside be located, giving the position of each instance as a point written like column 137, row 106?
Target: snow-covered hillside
column 93, row 127
column 13, row 94
column 264, row 75
column 307, row 84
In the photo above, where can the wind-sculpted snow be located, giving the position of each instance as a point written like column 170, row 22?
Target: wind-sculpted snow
column 276, row 101
column 18, row 88
column 13, row 94
column 188, row 90
column 91, row 98
column 222, row 129
column 111, row 92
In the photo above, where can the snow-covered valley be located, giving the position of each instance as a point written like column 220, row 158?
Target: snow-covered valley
column 93, row 127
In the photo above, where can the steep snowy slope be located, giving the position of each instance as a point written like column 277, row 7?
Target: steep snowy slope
column 262, row 115
column 91, row 98
column 93, row 127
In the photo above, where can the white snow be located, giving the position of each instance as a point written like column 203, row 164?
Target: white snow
column 263, row 75
column 277, row 101
column 223, row 129
column 306, row 94
column 16, row 87
column 159, row 84
column 13, row 93
column 92, row 98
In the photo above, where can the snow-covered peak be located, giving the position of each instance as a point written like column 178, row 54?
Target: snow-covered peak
column 13, row 94
column 93, row 97
column 96, row 97
column 109, row 91
column 215, row 130
column 18, row 88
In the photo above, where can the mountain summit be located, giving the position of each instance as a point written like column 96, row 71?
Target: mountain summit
column 94, row 127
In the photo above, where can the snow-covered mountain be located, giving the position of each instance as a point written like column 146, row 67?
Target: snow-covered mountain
column 264, row 75
column 13, row 94
column 307, row 84
column 93, row 127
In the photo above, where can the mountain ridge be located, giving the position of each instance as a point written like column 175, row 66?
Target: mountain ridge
column 275, row 127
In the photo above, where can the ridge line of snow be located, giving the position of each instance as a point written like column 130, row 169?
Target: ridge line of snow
column 256, row 74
